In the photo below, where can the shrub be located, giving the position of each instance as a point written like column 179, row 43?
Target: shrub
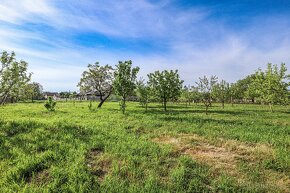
column 50, row 104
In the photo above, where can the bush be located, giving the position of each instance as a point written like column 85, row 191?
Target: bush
column 50, row 104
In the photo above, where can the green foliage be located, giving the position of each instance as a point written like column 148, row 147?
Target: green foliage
column 50, row 104
column 65, row 95
column 13, row 77
column 125, row 81
column 221, row 92
column 205, row 87
column 166, row 85
column 272, row 84
column 90, row 106
column 98, row 80
column 143, row 93
column 33, row 91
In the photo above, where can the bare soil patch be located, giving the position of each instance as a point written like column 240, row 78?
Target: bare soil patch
column 40, row 178
column 98, row 163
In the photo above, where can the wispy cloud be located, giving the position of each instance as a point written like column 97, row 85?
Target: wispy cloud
column 193, row 39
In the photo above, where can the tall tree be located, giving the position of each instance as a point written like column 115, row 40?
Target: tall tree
column 166, row 85
column 99, row 80
column 13, row 77
column 205, row 86
column 125, row 81
column 272, row 85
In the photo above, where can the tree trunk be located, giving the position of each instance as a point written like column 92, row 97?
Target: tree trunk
column 146, row 107
column 123, row 105
column 232, row 102
column 3, row 99
column 164, row 104
column 271, row 107
column 223, row 103
column 206, row 108
column 103, row 100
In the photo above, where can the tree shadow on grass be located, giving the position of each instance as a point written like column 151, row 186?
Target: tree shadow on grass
column 178, row 111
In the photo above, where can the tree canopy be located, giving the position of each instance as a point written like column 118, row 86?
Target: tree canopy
column 166, row 85
column 13, row 77
column 98, row 80
column 125, row 81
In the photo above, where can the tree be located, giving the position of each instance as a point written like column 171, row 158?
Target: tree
column 33, row 91
column 188, row 94
column 272, row 85
column 99, row 80
column 233, row 90
column 65, row 95
column 143, row 93
column 13, row 77
column 242, row 89
column 125, row 81
column 205, row 86
column 166, row 85
column 221, row 92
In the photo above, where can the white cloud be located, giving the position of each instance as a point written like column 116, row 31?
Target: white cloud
column 25, row 10
column 194, row 45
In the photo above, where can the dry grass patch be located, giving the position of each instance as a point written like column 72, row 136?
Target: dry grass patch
column 227, row 155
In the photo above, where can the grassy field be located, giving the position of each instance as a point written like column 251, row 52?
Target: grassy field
column 243, row 148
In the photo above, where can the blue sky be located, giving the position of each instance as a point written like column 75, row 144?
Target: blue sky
column 230, row 39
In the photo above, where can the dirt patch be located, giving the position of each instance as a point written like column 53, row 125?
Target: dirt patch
column 98, row 163
column 40, row 178
column 226, row 155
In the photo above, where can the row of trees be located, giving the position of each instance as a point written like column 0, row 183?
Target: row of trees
column 15, row 82
column 263, row 87
column 266, row 87
column 104, row 80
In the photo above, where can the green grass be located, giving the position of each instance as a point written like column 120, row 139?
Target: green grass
column 76, row 150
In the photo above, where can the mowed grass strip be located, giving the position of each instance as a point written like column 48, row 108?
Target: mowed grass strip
column 243, row 148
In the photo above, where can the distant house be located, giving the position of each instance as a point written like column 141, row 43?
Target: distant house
column 54, row 95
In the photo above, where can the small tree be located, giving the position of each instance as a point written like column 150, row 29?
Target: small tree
column 33, row 91
column 205, row 86
column 272, row 85
column 232, row 93
column 188, row 94
column 166, row 85
column 221, row 92
column 143, row 94
column 125, row 81
column 50, row 104
column 99, row 80
column 196, row 96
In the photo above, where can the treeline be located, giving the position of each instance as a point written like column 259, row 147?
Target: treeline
column 263, row 87
column 270, row 86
